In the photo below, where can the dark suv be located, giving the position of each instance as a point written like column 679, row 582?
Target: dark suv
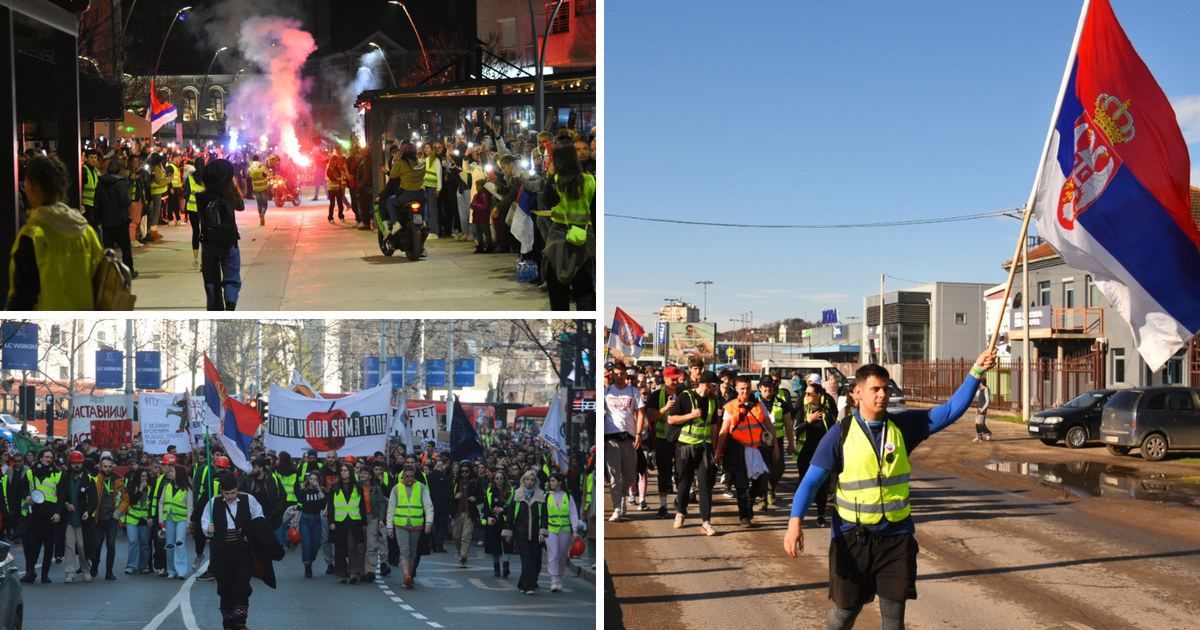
column 1154, row 419
column 1074, row 423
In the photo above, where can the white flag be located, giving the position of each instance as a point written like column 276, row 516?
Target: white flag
column 554, row 433
column 301, row 386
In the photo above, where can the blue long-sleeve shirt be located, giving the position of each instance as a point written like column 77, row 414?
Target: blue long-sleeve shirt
column 916, row 426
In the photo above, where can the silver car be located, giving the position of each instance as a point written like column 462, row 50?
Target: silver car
column 14, row 425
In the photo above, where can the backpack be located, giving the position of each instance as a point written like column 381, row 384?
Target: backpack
column 218, row 227
column 111, row 284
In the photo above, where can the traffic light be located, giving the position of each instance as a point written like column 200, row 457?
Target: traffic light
column 253, row 403
column 262, row 407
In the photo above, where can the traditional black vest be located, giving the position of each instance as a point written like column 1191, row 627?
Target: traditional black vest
column 241, row 517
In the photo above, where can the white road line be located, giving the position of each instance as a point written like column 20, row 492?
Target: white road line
column 182, row 600
column 435, row 625
column 407, row 607
column 388, row 593
column 419, row 616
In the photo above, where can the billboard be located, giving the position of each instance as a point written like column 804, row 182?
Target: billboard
column 687, row 340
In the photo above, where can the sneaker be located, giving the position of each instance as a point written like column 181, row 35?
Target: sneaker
column 662, row 512
column 144, row 571
column 172, row 576
column 987, row 437
column 821, row 522
column 163, row 573
column 555, row 586
column 329, row 569
column 708, row 529
column 331, row 222
column 462, row 563
column 679, row 521
column 206, row 576
column 197, row 562
column 772, row 499
column 129, row 571
column 643, row 507
column 761, row 505
column 432, row 237
column 109, row 576
column 87, row 576
column 976, row 439
column 70, row 578
column 745, row 522
column 181, row 577
column 137, row 244
column 727, row 494
column 529, row 592
column 616, row 516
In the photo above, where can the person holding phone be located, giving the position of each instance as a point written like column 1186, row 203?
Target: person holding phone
column 813, row 423
column 665, row 436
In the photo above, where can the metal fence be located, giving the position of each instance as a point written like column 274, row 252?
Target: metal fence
column 1052, row 382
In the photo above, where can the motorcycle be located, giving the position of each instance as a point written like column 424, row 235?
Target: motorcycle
column 410, row 238
column 284, row 193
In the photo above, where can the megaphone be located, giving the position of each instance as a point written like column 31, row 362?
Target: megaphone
column 38, row 497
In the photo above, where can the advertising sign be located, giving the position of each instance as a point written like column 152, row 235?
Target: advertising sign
column 435, row 373
column 20, row 346
column 464, row 372
column 395, row 367
column 148, row 370
column 370, row 372
column 691, row 340
column 109, row 374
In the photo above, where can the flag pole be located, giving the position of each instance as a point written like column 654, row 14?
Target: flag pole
column 1037, row 181
column 209, row 466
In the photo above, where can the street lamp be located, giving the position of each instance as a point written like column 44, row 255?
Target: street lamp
column 705, row 283
column 164, row 44
column 93, row 62
column 385, row 62
column 414, row 25
column 203, row 90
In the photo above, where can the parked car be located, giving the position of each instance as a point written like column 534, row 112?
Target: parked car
column 1154, row 420
column 12, row 603
column 14, row 425
column 1074, row 423
column 896, row 402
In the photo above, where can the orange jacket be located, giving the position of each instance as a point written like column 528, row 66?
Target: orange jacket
column 748, row 424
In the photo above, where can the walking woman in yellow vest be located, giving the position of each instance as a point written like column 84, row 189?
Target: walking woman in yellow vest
column 193, row 186
column 569, row 259
column 137, row 522
column 411, row 511
column 335, row 179
column 56, row 252
column 563, row 524
column 175, row 513
column 345, row 512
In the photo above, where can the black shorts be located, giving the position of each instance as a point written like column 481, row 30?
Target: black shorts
column 884, row 566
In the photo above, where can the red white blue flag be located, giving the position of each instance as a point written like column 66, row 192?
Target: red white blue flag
column 238, row 422
column 159, row 113
column 1112, row 194
column 626, row 335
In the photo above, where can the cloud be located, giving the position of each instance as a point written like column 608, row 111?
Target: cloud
column 1187, row 112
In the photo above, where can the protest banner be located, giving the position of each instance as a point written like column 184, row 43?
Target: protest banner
column 424, row 424
column 103, row 419
column 164, row 422
column 357, row 424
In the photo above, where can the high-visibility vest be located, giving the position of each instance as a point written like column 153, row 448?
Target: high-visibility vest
column 410, row 512
column 62, row 261
column 289, row 485
column 158, row 185
column 304, row 470
column 157, row 486
column 802, row 437
column 867, row 493
column 258, row 176
column 559, row 513
column 589, row 487
column 489, row 498
column 195, row 187
column 576, row 211
column 332, row 184
column 698, row 430
column 346, row 508
column 29, row 478
column 48, row 486
column 660, row 427
column 387, row 479
column 90, row 179
column 174, row 503
column 431, row 174
column 748, row 426
column 139, row 512
column 776, row 409
column 176, row 176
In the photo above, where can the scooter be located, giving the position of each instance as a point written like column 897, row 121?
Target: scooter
column 410, row 238
column 284, row 193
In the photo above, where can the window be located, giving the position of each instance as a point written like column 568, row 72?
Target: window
column 1158, row 403
column 216, row 104
column 508, row 33
column 1044, row 293
column 189, row 105
column 63, row 374
column 1180, row 401
column 960, row 318
column 562, row 22
column 1069, row 295
column 100, row 335
column 1173, row 370
column 1119, row 365
column 1093, row 293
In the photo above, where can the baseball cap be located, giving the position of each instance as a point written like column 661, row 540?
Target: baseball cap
column 672, row 372
column 710, row 377
column 814, row 378
column 766, row 380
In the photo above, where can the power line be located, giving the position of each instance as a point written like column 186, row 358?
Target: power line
column 830, row 226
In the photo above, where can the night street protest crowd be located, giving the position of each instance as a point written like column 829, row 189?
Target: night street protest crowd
column 361, row 515
column 473, row 186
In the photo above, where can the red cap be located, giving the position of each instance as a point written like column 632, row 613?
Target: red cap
column 222, row 462
column 74, row 457
column 672, row 372
column 168, row 459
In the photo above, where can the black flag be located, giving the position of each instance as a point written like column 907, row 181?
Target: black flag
column 464, row 442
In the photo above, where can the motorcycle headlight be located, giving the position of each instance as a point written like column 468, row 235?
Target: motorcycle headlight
column 1051, row 420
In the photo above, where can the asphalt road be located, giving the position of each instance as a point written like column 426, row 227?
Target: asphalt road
column 1000, row 550
column 446, row 597
column 298, row 261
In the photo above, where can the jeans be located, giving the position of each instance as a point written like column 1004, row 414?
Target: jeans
column 326, row 546
column 139, row 546
column 337, row 196
column 261, row 197
column 310, row 536
column 621, row 462
column 464, row 213
column 282, row 532
column 403, row 199
column 483, row 235
column 152, row 216
column 221, row 268
column 135, row 219
column 373, row 535
column 431, row 210
column 176, row 549
column 106, row 536
column 117, row 237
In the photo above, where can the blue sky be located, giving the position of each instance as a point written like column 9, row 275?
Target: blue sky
column 833, row 112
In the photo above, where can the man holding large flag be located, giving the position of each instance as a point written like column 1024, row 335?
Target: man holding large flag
column 238, row 422
column 1111, row 196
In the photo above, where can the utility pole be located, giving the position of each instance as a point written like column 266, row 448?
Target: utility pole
column 71, row 383
column 258, row 356
column 450, row 375
column 129, row 368
column 421, row 368
column 882, row 346
column 195, row 326
column 383, row 355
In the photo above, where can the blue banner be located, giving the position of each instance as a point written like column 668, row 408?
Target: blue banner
column 410, row 372
column 20, row 346
column 395, row 367
column 829, row 316
column 147, row 367
column 370, row 372
column 464, row 372
column 110, row 373
column 435, row 373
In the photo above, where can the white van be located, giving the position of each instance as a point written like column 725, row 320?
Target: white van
column 785, row 367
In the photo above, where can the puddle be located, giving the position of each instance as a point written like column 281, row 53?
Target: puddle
column 1096, row 479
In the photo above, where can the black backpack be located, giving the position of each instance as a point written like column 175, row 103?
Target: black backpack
column 218, row 226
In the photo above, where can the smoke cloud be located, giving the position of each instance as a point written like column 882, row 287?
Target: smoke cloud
column 368, row 77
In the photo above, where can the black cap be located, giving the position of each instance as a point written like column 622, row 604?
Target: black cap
column 766, row 380
column 710, row 377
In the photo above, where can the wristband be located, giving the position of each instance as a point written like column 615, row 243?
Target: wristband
column 977, row 372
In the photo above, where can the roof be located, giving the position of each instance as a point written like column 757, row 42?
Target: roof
column 1044, row 251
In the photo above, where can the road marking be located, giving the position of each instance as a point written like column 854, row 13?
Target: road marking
column 182, row 600
column 527, row 609
column 435, row 625
column 407, row 607
column 388, row 593
column 478, row 583
column 419, row 616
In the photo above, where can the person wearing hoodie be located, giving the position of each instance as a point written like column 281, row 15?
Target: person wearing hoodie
column 528, row 526
column 56, row 252
column 221, row 260
column 112, row 208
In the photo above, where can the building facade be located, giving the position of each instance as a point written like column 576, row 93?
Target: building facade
column 939, row 320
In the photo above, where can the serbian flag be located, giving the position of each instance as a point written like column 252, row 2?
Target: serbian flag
column 1112, row 193
column 626, row 335
column 159, row 113
column 237, row 421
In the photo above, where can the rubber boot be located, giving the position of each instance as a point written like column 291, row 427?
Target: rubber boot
column 505, row 569
column 496, row 567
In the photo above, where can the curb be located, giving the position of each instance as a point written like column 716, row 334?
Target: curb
column 582, row 567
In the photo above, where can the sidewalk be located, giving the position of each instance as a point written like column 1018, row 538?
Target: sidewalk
column 298, row 261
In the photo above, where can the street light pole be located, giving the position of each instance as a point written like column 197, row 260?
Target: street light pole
column 385, row 62
column 705, row 283
column 164, row 44
column 414, row 25
column 203, row 90
column 540, row 60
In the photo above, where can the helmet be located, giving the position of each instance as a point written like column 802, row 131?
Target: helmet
column 577, row 548
column 168, row 459
column 294, row 535
column 222, row 462
column 350, row 459
column 75, row 457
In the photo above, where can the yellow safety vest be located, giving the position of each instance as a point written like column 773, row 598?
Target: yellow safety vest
column 344, row 508
column 139, row 512
column 176, row 176
column 410, row 512
column 776, row 413
column 699, row 430
column 867, row 493
column 195, row 188
column 90, row 179
column 48, row 486
column 289, row 485
column 331, row 184
column 66, row 266
column 431, row 174
column 174, row 503
column 159, row 185
column 577, row 211
column 258, row 176
column 559, row 514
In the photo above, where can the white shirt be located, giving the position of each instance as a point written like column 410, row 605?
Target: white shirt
column 620, row 409
column 219, row 503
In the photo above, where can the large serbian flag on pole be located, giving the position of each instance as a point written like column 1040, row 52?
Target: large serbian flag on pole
column 626, row 335
column 1112, row 193
column 159, row 113
column 238, row 422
